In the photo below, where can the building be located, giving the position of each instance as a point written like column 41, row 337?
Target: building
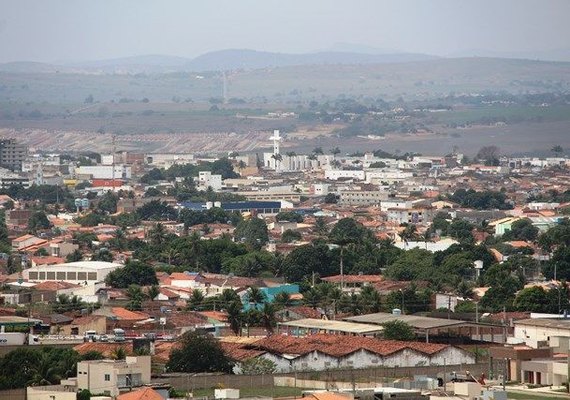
column 336, row 174
column 9, row 178
column 208, row 180
column 410, row 215
column 80, row 272
column 362, row 197
column 105, row 171
column 258, row 207
column 113, row 377
column 62, row 249
column 324, row 351
column 51, row 392
column 12, row 154
column 537, row 330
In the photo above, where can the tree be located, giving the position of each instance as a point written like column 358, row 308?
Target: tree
column 108, row 202
column 74, row 256
column 282, row 300
column 291, row 236
column 533, row 299
column 84, row 395
column 268, row 316
column 370, row 299
column 198, row 353
column 102, row 255
column 290, row 216
column 234, row 311
column 153, row 291
column 38, row 221
column 318, row 150
column 522, row 229
column 157, row 234
column 134, row 272
column 331, row 198
column 196, row 300
column 398, row 330
column 136, row 297
column 255, row 296
column 252, row 232
column 119, row 353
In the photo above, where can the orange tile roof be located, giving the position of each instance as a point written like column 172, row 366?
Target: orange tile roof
column 338, row 345
column 124, row 314
column 142, row 394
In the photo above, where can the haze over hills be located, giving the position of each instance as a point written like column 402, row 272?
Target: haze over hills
column 213, row 61
column 246, row 59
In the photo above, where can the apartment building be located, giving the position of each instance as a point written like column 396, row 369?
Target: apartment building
column 12, row 154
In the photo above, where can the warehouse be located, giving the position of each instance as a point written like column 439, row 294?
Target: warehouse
column 80, row 272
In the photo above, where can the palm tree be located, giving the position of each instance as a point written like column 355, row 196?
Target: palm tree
column 136, row 297
column 278, row 158
column 170, row 254
column 153, row 291
column 119, row 353
column 235, row 316
column 312, row 298
column 196, row 299
column 228, row 297
column 290, row 154
column 370, row 298
column 255, row 296
column 44, row 372
column 410, row 233
column 157, row 234
column 268, row 317
column 335, row 151
column 241, row 165
column 282, row 300
column 557, row 150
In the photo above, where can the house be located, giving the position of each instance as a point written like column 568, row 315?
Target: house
column 80, row 325
column 503, row 225
column 51, row 392
column 25, row 241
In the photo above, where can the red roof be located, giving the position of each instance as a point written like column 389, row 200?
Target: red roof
column 142, row 394
column 124, row 314
column 339, row 345
column 239, row 352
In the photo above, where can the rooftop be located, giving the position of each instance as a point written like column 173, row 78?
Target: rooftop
column 336, row 326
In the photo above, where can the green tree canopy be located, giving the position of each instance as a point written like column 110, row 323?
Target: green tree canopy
column 398, row 330
column 198, row 353
column 134, row 272
column 253, row 232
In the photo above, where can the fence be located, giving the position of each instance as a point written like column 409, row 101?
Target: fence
column 191, row 382
column 14, row 394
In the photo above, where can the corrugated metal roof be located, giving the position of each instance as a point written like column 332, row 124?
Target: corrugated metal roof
column 415, row 321
column 337, row 326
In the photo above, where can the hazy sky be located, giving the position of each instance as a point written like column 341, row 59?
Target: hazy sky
column 76, row 30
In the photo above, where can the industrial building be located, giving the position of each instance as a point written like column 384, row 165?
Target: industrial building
column 80, row 272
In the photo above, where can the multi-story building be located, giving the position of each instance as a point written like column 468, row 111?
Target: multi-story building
column 113, row 377
column 12, row 154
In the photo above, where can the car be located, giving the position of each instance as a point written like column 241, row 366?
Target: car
column 103, row 338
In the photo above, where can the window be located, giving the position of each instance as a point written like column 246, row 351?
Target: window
column 60, row 276
column 72, row 276
column 107, row 377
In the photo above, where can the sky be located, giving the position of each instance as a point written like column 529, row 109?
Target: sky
column 77, row 30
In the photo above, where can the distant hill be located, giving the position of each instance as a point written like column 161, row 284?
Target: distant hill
column 251, row 59
column 213, row 61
